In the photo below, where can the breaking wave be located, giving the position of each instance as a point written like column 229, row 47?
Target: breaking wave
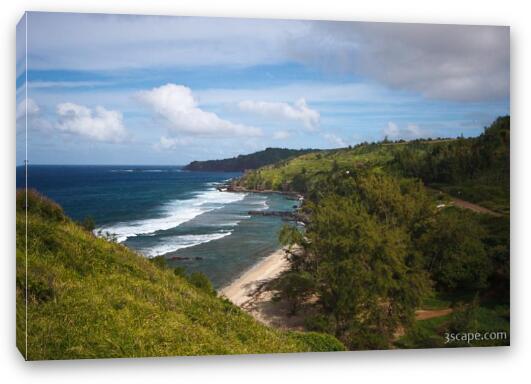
column 174, row 243
column 173, row 214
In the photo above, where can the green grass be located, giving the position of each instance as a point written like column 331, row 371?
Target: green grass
column 90, row 298
column 431, row 333
column 430, row 303
column 488, row 188
column 424, row 334
column 440, row 300
column 486, row 194
column 315, row 164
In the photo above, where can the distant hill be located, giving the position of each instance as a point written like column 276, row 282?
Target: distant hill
column 246, row 162
column 474, row 169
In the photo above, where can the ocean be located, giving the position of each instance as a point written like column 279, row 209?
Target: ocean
column 164, row 210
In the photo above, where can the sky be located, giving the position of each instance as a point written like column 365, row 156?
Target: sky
column 124, row 89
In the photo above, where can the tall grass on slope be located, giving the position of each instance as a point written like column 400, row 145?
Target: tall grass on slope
column 90, row 298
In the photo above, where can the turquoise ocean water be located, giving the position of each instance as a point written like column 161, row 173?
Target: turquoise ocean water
column 163, row 210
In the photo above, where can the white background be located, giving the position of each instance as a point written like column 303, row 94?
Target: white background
column 501, row 365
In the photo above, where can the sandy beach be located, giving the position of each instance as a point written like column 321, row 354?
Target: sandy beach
column 248, row 292
column 242, row 290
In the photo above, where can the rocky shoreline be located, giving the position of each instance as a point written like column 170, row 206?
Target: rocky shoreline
column 295, row 215
column 231, row 187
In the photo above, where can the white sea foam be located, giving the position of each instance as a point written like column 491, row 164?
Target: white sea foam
column 261, row 205
column 121, row 170
column 174, row 243
column 173, row 214
column 235, row 222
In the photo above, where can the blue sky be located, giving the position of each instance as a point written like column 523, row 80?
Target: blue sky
column 118, row 89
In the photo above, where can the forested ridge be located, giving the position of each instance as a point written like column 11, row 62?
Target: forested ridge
column 378, row 244
column 245, row 162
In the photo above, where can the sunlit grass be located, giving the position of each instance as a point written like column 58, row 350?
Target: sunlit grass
column 89, row 298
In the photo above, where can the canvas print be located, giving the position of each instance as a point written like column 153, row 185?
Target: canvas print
column 201, row 186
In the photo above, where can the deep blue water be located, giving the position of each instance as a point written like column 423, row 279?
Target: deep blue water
column 162, row 210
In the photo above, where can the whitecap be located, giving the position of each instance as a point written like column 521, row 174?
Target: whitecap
column 173, row 214
column 262, row 205
column 121, row 170
column 232, row 223
column 174, row 243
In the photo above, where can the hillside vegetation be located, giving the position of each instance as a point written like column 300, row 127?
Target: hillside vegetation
column 90, row 298
column 475, row 169
column 246, row 162
column 377, row 245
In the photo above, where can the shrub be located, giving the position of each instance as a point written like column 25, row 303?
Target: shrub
column 159, row 261
column 179, row 271
column 320, row 342
column 88, row 223
column 296, row 287
column 201, row 281
column 465, row 317
column 319, row 323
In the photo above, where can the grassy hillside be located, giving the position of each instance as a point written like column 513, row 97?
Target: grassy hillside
column 90, row 298
column 245, row 162
column 475, row 169
column 302, row 172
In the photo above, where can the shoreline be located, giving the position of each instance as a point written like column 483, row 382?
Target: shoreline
column 230, row 186
column 241, row 291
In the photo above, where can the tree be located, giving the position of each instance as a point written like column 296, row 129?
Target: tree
column 454, row 252
column 299, row 183
column 365, row 278
column 296, row 287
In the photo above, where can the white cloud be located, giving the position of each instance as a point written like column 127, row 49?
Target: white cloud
column 410, row 131
column 171, row 143
column 177, row 105
column 281, row 135
column 334, row 140
column 27, row 106
column 455, row 62
column 35, row 121
column 414, row 130
column 99, row 124
column 391, row 130
column 299, row 111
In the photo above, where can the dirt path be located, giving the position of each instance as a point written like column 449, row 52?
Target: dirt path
column 425, row 314
column 473, row 207
column 466, row 204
